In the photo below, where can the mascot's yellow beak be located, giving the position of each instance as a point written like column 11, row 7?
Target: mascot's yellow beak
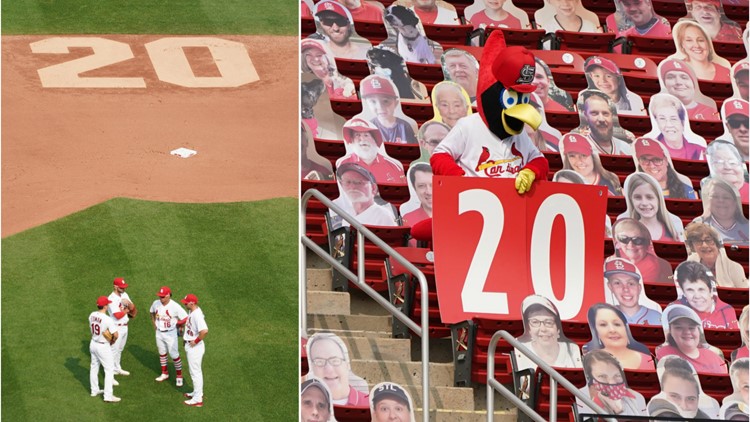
column 515, row 117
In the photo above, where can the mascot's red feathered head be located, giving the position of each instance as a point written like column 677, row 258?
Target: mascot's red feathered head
column 504, row 87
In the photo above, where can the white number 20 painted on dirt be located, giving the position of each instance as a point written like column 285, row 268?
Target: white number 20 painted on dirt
column 166, row 54
column 489, row 205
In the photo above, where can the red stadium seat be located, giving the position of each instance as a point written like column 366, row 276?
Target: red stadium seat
column 644, row 381
column 485, row 329
column 585, row 43
column 374, row 31
column 332, row 150
column 529, row 38
column 315, row 224
column 448, row 35
column 345, row 413
column 673, row 10
column 307, row 27
column 374, row 257
column 565, row 399
column 737, row 13
column 346, row 108
column 428, row 74
column 405, row 153
column 732, row 51
column 602, row 8
column 566, row 68
column 653, row 48
column 719, row 91
column 726, row 340
column 354, row 69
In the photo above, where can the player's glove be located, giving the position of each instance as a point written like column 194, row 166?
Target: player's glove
column 524, row 179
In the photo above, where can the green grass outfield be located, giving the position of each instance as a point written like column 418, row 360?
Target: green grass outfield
column 183, row 17
column 240, row 259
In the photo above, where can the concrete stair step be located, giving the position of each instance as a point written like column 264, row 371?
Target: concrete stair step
column 442, row 397
column 352, row 333
column 319, row 279
column 328, row 303
column 448, row 415
column 374, row 348
column 403, row 373
column 377, row 323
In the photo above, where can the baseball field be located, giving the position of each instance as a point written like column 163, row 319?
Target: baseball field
column 91, row 192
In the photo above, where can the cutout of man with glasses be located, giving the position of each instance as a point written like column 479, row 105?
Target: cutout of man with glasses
column 328, row 360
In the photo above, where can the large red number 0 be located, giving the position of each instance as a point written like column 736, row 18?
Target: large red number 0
column 95, row 329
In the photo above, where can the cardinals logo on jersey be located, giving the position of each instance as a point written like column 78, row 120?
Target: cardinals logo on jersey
column 497, row 168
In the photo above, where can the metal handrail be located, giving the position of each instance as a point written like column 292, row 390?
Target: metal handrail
column 555, row 377
column 362, row 233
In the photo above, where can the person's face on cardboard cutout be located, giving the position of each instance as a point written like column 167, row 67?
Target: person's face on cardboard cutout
column 743, row 384
column 631, row 243
column 606, row 373
column 599, row 118
column 543, row 329
column 463, row 71
column 680, row 85
column 451, row 104
column 669, row 123
column 565, row 8
column 686, row 334
column 645, row 201
column 723, row 204
column 605, row 81
column 314, row 406
column 433, row 135
column 654, row 166
column 423, row 186
column 336, row 27
column 364, row 146
column 317, row 61
column 611, row 330
column 626, row 289
column 541, row 82
column 389, row 410
column 384, row 107
column 695, row 44
column 727, row 167
column 737, row 126
column 706, row 249
column 328, row 360
column 698, row 295
column 742, row 84
column 705, row 13
column 582, row 164
column 358, row 189
column 681, row 393
column 639, row 11
column 494, row 5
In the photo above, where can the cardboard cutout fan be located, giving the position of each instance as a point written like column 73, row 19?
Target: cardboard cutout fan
column 735, row 406
column 652, row 157
column 632, row 241
column 553, row 98
column 604, row 75
column 599, row 123
column 429, row 136
column 381, row 105
column 578, row 154
column 624, row 289
column 722, row 210
column 704, row 245
column 684, row 339
column 740, row 72
column 710, row 15
column 312, row 165
column 316, row 109
column 645, row 203
column 364, row 147
column 671, row 127
column 681, row 394
column 725, row 162
column 360, row 198
column 496, row 14
column 557, row 15
column 364, row 10
column 419, row 205
column 744, row 320
column 450, row 103
column 385, row 62
column 432, row 12
column 678, row 79
column 328, row 359
column 315, row 401
column 461, row 67
column 607, row 387
column 610, row 332
column 543, row 335
column 696, row 289
column 695, row 48
column 735, row 113
column 318, row 60
column 335, row 26
column 391, row 402
column 406, row 36
column 637, row 17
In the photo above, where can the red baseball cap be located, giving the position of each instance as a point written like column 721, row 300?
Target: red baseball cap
column 648, row 146
column 675, row 64
column 120, row 282
column 375, row 84
column 741, row 67
column 736, row 106
column 164, row 291
column 716, row 3
column 331, row 6
column 606, row 64
column 307, row 44
column 191, row 298
column 514, row 68
column 620, row 266
column 361, row 125
column 102, row 301
column 574, row 142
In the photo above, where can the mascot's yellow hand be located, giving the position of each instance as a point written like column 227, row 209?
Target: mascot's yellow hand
column 524, row 179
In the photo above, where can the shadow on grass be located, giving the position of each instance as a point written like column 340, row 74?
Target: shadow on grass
column 150, row 359
column 81, row 368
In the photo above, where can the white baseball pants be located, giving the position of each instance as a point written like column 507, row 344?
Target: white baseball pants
column 101, row 354
column 195, row 359
column 119, row 345
column 166, row 342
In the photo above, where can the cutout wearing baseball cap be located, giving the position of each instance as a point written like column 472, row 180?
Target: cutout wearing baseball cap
column 103, row 301
column 681, row 311
column 328, row 7
column 742, row 66
column 361, row 125
column 736, row 107
column 377, row 85
column 648, row 146
column 389, row 390
column 164, row 291
column 605, row 64
column 308, row 44
column 190, row 298
column 357, row 168
column 574, row 142
column 620, row 266
column 120, row 282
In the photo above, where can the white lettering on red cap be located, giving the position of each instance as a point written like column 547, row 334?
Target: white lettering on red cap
column 619, row 265
column 329, row 6
column 527, row 74
column 738, row 105
column 375, row 83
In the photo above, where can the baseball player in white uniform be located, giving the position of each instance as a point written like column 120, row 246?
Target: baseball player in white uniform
column 195, row 331
column 121, row 309
column 103, row 331
column 166, row 315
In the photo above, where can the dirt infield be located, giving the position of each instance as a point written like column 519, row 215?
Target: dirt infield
column 65, row 149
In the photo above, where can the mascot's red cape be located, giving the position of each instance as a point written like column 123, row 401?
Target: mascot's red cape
column 503, row 88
